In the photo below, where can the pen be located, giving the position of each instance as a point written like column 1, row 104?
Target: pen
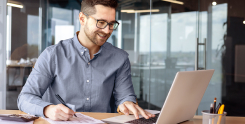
column 214, row 105
column 217, row 108
column 221, row 111
column 63, row 102
column 211, row 111
column 211, row 108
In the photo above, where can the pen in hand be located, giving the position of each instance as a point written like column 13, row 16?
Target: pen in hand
column 63, row 102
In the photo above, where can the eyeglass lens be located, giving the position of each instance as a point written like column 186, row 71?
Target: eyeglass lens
column 103, row 24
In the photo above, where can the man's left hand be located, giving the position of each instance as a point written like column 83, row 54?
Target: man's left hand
column 131, row 108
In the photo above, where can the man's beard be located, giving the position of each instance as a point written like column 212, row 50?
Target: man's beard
column 92, row 36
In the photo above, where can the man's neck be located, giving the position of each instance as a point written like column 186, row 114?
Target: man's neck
column 93, row 48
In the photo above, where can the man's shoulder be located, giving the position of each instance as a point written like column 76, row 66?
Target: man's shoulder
column 63, row 44
column 115, row 50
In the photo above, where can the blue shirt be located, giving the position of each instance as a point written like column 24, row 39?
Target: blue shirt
column 92, row 85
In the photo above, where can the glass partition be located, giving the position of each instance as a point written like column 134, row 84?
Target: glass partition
column 223, row 27
column 23, row 46
column 173, row 34
column 2, row 54
column 134, row 38
column 213, row 21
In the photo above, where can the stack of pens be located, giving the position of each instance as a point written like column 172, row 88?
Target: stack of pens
column 216, row 110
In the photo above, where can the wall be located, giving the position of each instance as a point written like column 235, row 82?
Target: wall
column 2, row 53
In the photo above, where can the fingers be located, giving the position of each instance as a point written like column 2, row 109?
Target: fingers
column 123, row 109
column 149, row 114
column 63, row 116
column 58, row 112
column 132, row 108
column 136, row 110
column 66, row 110
column 142, row 112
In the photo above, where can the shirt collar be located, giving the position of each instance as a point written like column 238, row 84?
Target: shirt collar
column 81, row 48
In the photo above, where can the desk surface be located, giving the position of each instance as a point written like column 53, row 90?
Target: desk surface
column 195, row 120
column 19, row 66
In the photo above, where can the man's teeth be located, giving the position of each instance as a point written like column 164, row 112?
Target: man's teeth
column 102, row 35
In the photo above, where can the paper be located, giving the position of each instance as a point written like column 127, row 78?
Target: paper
column 14, row 122
column 80, row 119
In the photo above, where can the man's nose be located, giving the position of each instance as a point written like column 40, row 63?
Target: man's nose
column 107, row 29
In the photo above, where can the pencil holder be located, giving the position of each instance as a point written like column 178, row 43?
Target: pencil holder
column 208, row 118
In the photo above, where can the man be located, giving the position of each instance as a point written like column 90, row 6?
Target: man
column 85, row 71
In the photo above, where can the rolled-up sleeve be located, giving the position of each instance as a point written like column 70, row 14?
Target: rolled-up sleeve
column 30, row 98
column 123, row 90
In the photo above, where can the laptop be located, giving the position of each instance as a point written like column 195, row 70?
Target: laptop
column 181, row 103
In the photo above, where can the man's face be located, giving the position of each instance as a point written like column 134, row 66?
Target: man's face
column 96, row 35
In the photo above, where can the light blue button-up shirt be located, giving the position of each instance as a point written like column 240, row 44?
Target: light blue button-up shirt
column 92, row 85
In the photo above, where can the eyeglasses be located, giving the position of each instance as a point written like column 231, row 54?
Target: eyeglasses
column 103, row 24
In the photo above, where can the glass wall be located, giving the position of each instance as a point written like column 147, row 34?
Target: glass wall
column 161, row 39
column 62, row 18
column 213, row 19
column 2, row 54
column 23, row 45
column 224, row 28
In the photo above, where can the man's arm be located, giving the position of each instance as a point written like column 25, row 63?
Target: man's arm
column 123, row 90
column 30, row 98
column 124, row 93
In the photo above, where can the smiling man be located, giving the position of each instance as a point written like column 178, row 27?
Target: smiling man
column 85, row 71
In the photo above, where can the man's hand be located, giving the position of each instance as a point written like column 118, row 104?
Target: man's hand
column 131, row 108
column 58, row 112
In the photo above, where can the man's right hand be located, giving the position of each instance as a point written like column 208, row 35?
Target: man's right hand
column 58, row 112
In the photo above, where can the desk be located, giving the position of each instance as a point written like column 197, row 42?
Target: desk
column 23, row 68
column 195, row 120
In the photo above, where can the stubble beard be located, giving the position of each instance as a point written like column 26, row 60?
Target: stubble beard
column 92, row 36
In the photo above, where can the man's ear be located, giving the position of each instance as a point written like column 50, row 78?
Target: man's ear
column 82, row 18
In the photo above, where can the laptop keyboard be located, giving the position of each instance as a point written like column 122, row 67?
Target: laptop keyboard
column 144, row 121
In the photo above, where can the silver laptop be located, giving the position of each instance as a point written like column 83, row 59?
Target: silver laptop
column 182, row 101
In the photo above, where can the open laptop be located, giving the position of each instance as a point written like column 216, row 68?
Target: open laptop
column 181, row 103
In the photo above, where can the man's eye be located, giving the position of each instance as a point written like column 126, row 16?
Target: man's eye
column 112, row 23
column 101, row 22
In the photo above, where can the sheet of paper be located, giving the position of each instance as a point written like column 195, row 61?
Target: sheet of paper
column 80, row 119
column 14, row 122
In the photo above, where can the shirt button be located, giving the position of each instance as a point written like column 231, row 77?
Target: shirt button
column 87, row 80
column 82, row 52
column 87, row 98
column 85, row 49
column 88, row 63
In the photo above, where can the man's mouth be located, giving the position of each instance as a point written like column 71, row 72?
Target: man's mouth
column 102, row 35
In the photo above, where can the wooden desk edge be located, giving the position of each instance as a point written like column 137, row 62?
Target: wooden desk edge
column 196, row 119
column 96, row 115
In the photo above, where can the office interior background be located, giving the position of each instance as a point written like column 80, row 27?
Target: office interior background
column 162, row 37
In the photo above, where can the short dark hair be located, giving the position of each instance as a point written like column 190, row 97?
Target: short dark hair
column 87, row 6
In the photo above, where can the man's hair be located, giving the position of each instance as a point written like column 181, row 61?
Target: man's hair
column 87, row 6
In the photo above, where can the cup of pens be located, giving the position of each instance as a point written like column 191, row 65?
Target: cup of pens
column 210, row 118
column 215, row 115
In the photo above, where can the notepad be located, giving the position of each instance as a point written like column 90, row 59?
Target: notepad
column 81, row 119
